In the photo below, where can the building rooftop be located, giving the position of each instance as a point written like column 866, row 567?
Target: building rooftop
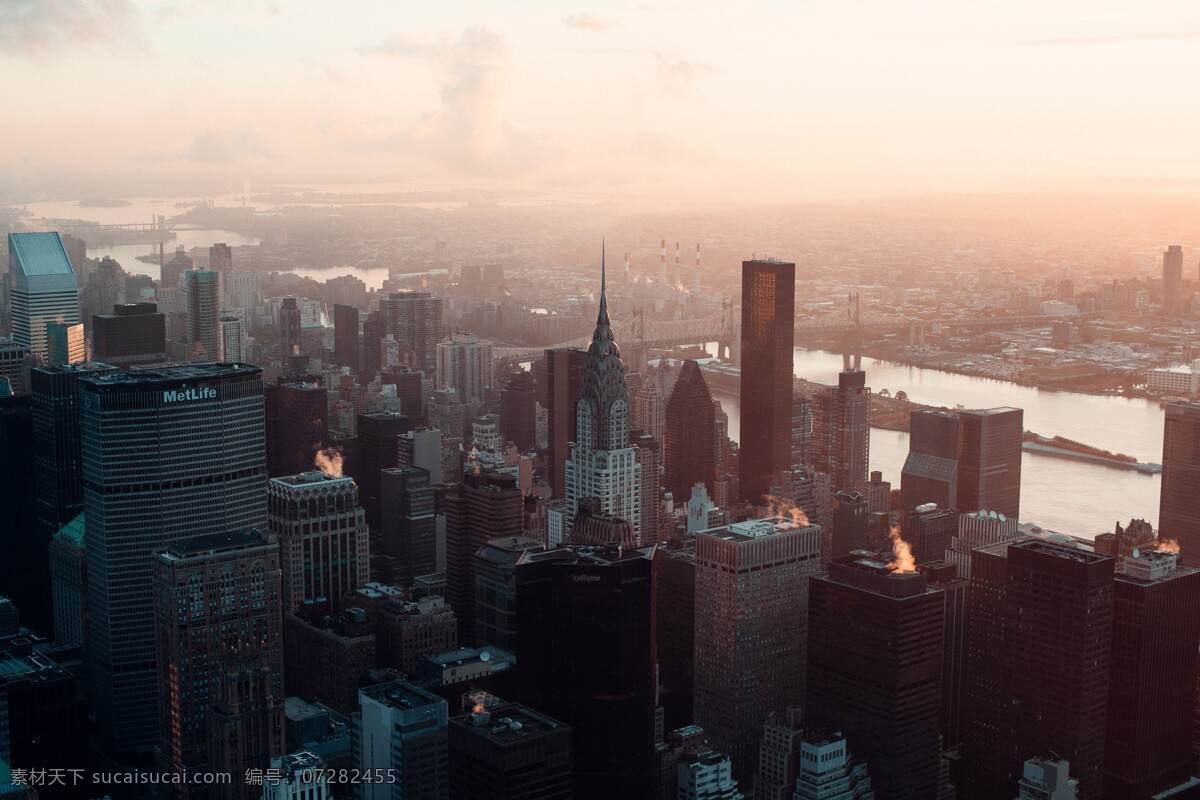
column 506, row 723
column 39, row 254
column 754, row 529
column 1059, row 550
column 73, row 531
column 313, row 478
column 873, row 572
column 173, row 374
column 208, row 543
column 402, row 695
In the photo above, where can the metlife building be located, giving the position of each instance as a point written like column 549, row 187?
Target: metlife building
column 167, row 454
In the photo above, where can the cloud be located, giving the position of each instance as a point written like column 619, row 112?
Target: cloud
column 1117, row 38
column 588, row 22
column 28, row 27
column 467, row 132
column 214, row 146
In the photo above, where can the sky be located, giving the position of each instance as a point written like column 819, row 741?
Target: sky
column 683, row 103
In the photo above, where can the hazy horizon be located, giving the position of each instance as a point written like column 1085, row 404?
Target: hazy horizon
column 642, row 103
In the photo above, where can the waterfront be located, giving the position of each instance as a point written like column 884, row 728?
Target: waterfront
column 1069, row 496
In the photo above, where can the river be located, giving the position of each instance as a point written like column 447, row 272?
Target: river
column 1068, row 496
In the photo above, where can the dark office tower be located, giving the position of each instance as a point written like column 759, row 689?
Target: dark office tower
column 507, row 751
column 376, row 448
column 135, row 334
column 851, row 524
column 205, row 473
column 1153, row 682
column 409, row 392
column 930, row 531
column 1179, row 502
column 649, row 456
column 675, row 629
column 930, row 473
column 496, row 590
column 220, row 257
column 414, row 320
column 875, row 668
column 298, row 426
column 289, row 329
column 409, row 506
column 219, row 633
column 345, row 336
column 747, row 665
column 1172, row 297
column 517, row 399
column 802, row 431
column 202, row 288
column 586, row 639
column 560, row 383
column 842, row 430
column 689, row 443
column 400, row 733
column 374, row 329
column 43, row 721
column 57, row 473
column 485, row 505
column 989, row 461
column 68, row 583
column 1038, row 656
column 944, row 576
column 25, row 582
column 324, row 550
column 768, row 321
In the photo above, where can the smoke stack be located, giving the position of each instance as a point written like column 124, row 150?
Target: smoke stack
column 677, row 282
column 627, row 267
column 696, row 274
column 662, row 266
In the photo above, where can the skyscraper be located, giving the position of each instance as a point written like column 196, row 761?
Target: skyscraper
column 202, row 289
column 1038, row 663
column 414, row 319
column 749, row 664
column 1153, row 683
column 297, row 425
column 842, row 431
column 220, row 654
column 374, row 329
column 507, row 751
column 400, row 730
column 560, row 382
column 377, row 448
column 649, row 456
column 484, row 505
column 603, row 464
column 768, row 320
column 409, row 521
column 689, row 443
column 289, row 329
column 779, row 755
column 517, row 410
column 802, row 431
column 649, row 411
column 586, row 639
column 496, row 590
column 134, row 334
column 465, row 364
column 232, row 339
column 345, row 336
column 1172, row 278
column 1179, row 502
column 205, row 473
column 930, row 473
column 989, row 460
column 44, row 287
column 64, row 343
column 324, row 550
column 875, row 666
column 220, row 257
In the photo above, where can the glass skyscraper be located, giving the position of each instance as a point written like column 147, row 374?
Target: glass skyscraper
column 167, row 454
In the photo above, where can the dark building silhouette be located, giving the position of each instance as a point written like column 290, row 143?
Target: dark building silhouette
column 562, row 377
column 298, row 426
column 1153, row 684
column 374, row 329
column 376, row 448
column 1040, row 628
column 345, row 337
column 134, row 334
column 517, row 412
column 689, row 441
column 675, row 629
column 43, row 716
column 414, row 320
column 1179, row 500
column 329, row 656
column 1172, row 278
column 24, row 578
column 409, row 506
column 851, row 524
column 842, row 430
column 930, row 530
column 507, row 751
column 989, row 460
column 944, row 576
column 586, row 638
column 930, row 473
column 496, row 590
column 220, row 654
column 485, row 505
column 875, row 666
column 220, row 257
column 173, row 269
column 409, row 392
column 289, row 329
column 768, row 320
